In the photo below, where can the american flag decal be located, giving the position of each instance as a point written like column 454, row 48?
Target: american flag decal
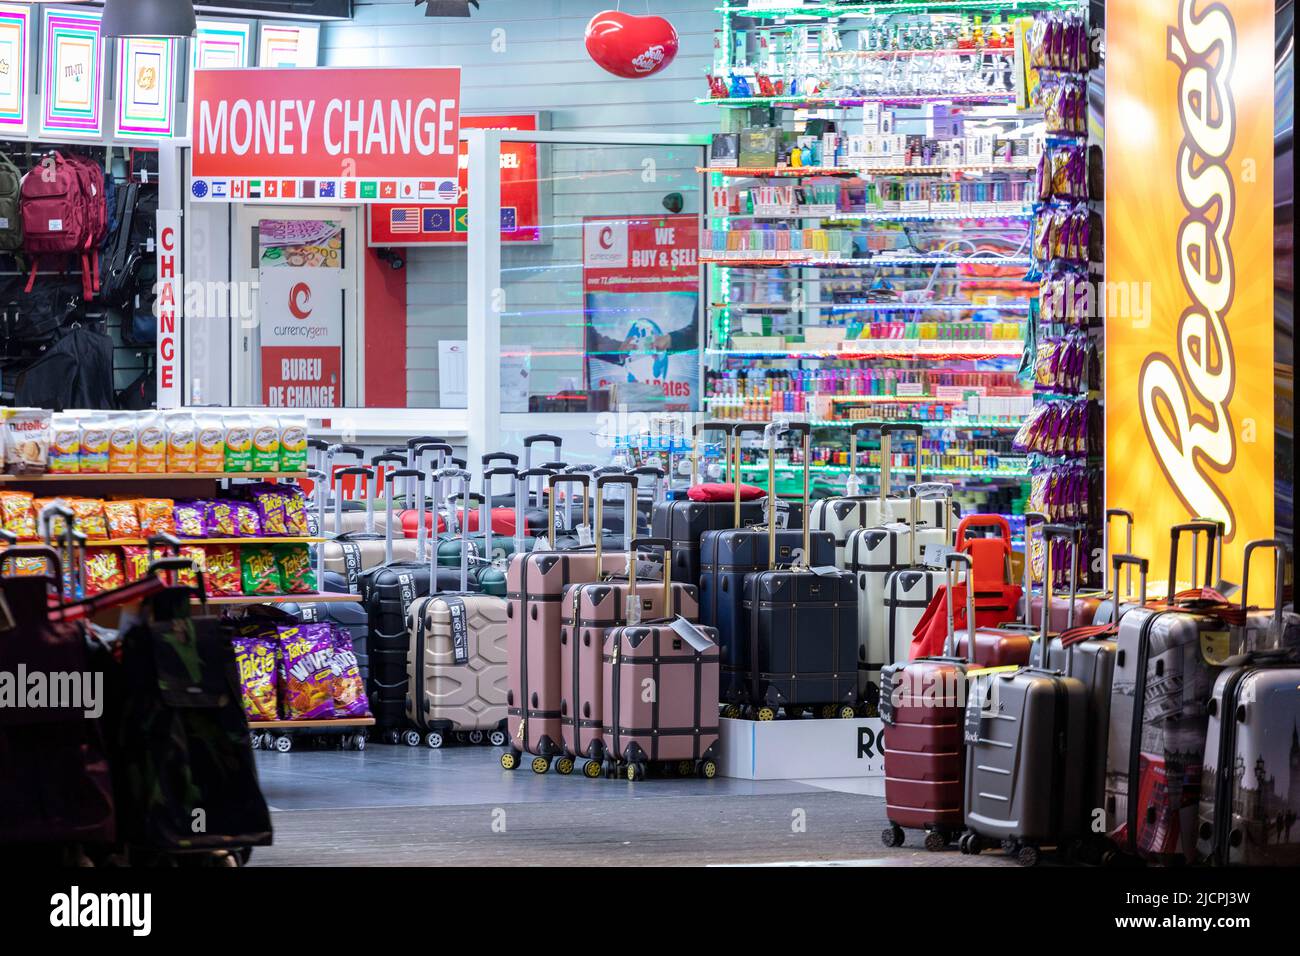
column 404, row 220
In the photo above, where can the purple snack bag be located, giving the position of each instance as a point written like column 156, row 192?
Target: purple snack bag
column 349, row 689
column 258, row 683
column 271, row 512
column 190, row 518
column 307, row 675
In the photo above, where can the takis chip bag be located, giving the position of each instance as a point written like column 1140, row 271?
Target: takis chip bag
column 222, row 576
column 349, row 689
column 271, row 511
column 248, row 524
column 104, row 571
column 297, row 517
column 261, row 573
column 258, row 679
column 307, row 662
column 135, row 561
column 219, row 519
column 296, row 573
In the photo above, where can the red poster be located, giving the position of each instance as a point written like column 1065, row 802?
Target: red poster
column 445, row 219
column 333, row 124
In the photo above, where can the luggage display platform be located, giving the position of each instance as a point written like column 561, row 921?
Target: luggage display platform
column 802, row 749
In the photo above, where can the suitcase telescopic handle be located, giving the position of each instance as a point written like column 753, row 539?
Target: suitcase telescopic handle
column 390, row 479
column 603, row 482
column 1130, row 560
column 635, row 547
column 1195, row 528
column 424, row 440
column 1220, row 533
column 356, row 451
column 804, row 430
column 930, row 491
column 1072, row 534
column 887, row 433
column 660, row 486
column 530, row 440
column 555, row 481
column 737, row 430
column 1111, row 515
column 697, row 430
column 490, row 457
column 951, row 560
column 1281, row 552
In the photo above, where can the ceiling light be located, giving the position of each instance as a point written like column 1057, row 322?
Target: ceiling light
column 148, row 18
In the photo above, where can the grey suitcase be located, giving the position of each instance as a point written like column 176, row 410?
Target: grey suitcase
column 1250, row 781
column 1024, row 783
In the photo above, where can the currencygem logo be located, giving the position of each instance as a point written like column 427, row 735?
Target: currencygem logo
column 300, row 300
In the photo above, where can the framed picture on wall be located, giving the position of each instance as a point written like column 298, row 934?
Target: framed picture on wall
column 288, row 44
column 221, row 44
column 72, row 88
column 15, row 55
column 146, row 87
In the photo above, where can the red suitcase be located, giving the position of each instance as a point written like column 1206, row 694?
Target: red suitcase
column 923, row 706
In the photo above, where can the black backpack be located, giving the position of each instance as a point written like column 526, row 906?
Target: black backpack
column 75, row 372
column 34, row 318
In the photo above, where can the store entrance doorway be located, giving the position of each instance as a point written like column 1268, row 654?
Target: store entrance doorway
column 296, row 344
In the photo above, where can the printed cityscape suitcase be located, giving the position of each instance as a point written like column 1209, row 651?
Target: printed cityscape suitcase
column 457, row 669
column 1158, row 718
column 678, row 723
column 802, row 631
column 684, row 521
column 922, row 705
column 535, row 585
column 1095, row 649
column 1024, row 731
column 1250, row 781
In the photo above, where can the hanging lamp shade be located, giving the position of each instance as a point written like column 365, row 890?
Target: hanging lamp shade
column 148, row 18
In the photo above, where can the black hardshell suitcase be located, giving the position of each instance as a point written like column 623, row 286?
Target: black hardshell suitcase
column 803, row 631
column 1024, row 731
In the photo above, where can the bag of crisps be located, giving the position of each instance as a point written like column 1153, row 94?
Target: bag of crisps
column 93, row 453
column 65, row 446
column 219, row 519
column 307, row 671
column 122, row 518
column 123, row 445
column 270, row 510
column 157, row 516
column 182, row 442
column 104, row 570
column 90, row 517
column 248, row 524
column 196, row 554
column 239, row 444
column 293, row 444
column 266, row 443
column 209, row 444
column 296, row 572
column 349, row 689
column 222, row 576
column 151, row 444
column 261, row 572
column 135, row 561
column 258, row 677
column 17, row 515
column 297, row 512
column 188, row 517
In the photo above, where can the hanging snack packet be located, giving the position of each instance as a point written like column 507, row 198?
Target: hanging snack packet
column 307, row 656
column 270, row 509
column 297, row 575
column 293, row 444
column 182, row 442
column 261, row 574
column 258, row 677
column 123, row 445
column 219, row 519
column 239, row 444
column 151, row 444
column 209, row 444
column 248, row 524
column 266, row 443
column 189, row 518
column 157, row 516
column 90, row 517
column 16, row 514
column 94, row 446
column 222, row 576
column 122, row 518
column 65, row 446
column 349, row 689
column 104, row 570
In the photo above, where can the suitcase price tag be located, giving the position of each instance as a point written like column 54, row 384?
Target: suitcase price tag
column 977, row 690
column 585, row 537
column 826, row 571
column 935, row 555
column 691, row 634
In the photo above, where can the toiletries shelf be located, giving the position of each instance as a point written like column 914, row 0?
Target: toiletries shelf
column 942, row 425
column 1016, row 211
column 1010, row 474
column 1007, row 306
column 970, row 349
column 794, row 172
column 886, row 8
column 847, row 102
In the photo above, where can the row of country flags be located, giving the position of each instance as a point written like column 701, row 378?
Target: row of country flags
column 377, row 190
column 415, row 220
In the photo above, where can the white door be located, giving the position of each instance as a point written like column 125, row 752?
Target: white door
column 301, row 346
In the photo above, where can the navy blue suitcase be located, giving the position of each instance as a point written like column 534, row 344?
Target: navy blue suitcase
column 726, row 557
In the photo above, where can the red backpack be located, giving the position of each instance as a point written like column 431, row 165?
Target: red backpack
column 64, row 213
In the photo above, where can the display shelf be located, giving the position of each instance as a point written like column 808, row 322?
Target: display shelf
column 872, row 262
column 311, row 724
column 327, row 597
column 887, row 8
column 1017, row 474
column 141, row 542
column 1017, row 211
column 847, row 102
column 887, row 348
column 1008, row 306
column 795, row 172
column 945, row 425
column 163, row 476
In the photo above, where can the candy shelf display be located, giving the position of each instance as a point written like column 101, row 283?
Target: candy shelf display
column 870, row 244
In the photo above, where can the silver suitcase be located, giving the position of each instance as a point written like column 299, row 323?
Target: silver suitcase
column 1024, row 783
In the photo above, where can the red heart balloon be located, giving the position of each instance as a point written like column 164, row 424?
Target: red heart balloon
column 630, row 46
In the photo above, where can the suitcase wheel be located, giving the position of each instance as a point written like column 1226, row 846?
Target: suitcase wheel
column 509, row 760
column 936, row 840
column 497, row 738
column 794, row 711
column 393, row 737
column 766, row 713
column 591, row 769
column 892, row 836
column 685, row 768
column 476, row 736
column 412, row 738
column 970, row 843
column 847, row 712
column 731, row 711
column 360, row 742
column 635, row 771
column 284, row 743
column 708, row 769
column 254, row 739
column 460, row 737
column 564, row 766
column 541, row 764
column 1028, row 856
column 434, row 740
